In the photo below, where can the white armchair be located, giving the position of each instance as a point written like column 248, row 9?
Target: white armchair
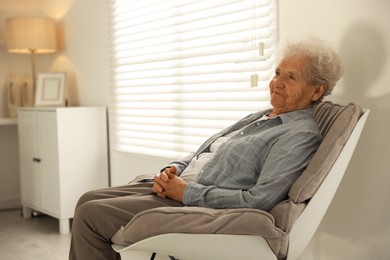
column 283, row 233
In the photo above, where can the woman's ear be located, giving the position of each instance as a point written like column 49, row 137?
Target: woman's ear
column 319, row 91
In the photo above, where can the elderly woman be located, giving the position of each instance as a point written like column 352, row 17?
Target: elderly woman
column 251, row 164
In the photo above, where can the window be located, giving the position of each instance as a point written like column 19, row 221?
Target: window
column 182, row 70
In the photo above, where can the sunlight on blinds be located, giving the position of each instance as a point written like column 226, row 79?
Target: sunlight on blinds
column 181, row 70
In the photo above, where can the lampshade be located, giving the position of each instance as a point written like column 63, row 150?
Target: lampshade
column 30, row 34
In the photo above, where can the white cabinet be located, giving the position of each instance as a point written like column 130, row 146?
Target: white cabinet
column 63, row 153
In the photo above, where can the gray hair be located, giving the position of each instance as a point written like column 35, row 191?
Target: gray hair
column 324, row 66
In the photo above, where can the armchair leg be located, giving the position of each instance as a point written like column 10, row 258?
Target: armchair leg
column 154, row 255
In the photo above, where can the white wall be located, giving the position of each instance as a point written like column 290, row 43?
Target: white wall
column 84, row 51
column 356, row 225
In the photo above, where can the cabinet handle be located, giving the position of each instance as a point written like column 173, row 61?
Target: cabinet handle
column 36, row 160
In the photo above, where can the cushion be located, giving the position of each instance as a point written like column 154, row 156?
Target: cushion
column 199, row 220
column 335, row 122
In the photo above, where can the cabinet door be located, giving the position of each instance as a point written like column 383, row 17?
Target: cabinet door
column 48, row 167
column 28, row 150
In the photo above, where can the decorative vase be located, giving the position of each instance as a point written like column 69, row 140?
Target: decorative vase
column 13, row 98
column 27, row 95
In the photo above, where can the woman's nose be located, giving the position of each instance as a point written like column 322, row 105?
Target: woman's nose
column 279, row 82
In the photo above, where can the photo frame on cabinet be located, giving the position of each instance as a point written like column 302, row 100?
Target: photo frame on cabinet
column 50, row 89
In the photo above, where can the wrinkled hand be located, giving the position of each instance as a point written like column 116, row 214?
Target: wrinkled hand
column 168, row 185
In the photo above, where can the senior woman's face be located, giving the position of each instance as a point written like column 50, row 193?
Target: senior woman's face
column 290, row 89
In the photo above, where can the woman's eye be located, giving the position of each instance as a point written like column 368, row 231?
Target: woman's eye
column 291, row 76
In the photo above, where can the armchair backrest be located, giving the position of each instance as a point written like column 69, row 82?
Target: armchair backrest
column 336, row 124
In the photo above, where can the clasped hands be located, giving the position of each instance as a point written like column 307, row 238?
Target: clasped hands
column 168, row 185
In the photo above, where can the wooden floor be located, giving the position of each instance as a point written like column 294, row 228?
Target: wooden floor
column 38, row 238
column 31, row 239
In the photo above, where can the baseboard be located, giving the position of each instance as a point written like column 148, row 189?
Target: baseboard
column 10, row 204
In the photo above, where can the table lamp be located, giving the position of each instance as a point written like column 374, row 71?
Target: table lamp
column 31, row 35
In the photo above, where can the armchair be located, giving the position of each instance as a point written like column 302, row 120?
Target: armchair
column 282, row 233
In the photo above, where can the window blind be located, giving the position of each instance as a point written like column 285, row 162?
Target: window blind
column 183, row 69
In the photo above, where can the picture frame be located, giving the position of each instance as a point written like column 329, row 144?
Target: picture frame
column 50, row 89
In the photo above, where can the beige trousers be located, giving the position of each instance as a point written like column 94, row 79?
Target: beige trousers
column 100, row 213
